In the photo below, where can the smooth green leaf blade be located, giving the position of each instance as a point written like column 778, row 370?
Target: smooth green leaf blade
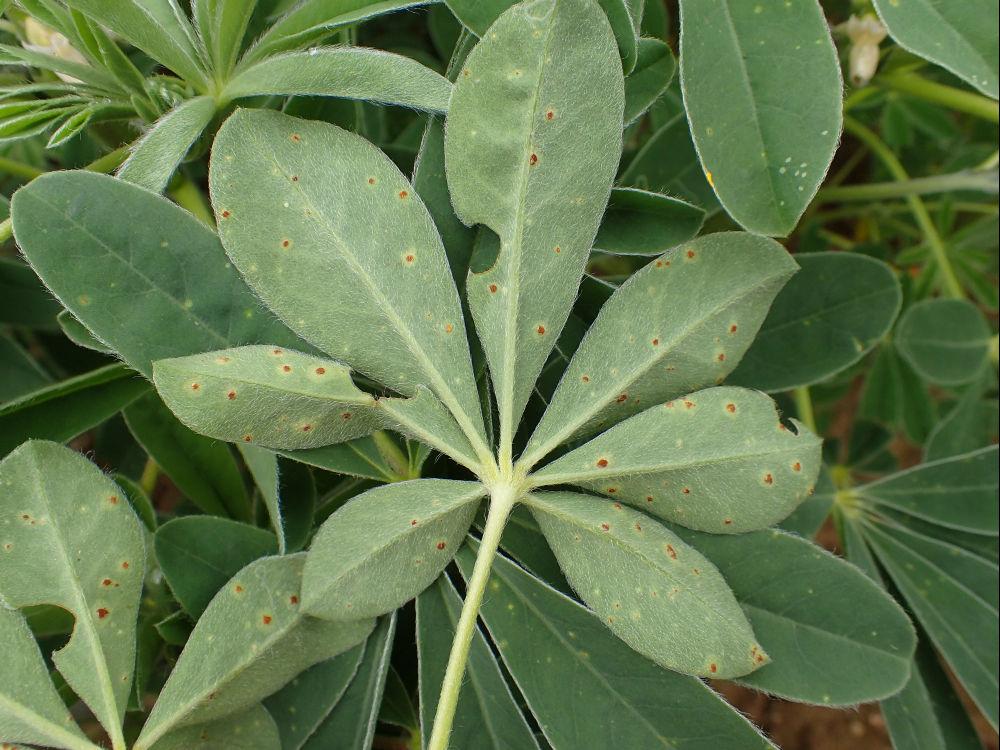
column 530, row 155
column 303, row 704
column 345, row 72
column 957, row 36
column 894, row 395
column 154, row 26
column 927, row 714
column 385, row 546
column 654, row 70
column 203, row 469
column 962, row 625
column 24, row 301
column 973, row 422
column 957, row 493
column 267, row 396
column 588, row 689
column 156, row 156
column 352, row 721
column 719, row 460
column 31, row 710
column 947, row 341
column 638, row 222
column 762, row 90
column 70, row 227
column 352, row 223
column 250, row 730
column 487, row 717
column 828, row 316
column 70, row 539
column 624, row 15
column 660, row 596
column 199, row 554
column 311, row 20
column 834, row 636
column 252, row 639
column 670, row 349
column 63, row 410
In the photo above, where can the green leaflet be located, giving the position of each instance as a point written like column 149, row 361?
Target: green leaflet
column 487, row 717
column 252, row 639
column 532, row 156
column 159, row 152
column 946, row 341
column 63, row 410
column 70, row 227
column 960, row 619
column 288, row 491
column 20, row 374
column 250, row 730
column 23, row 299
column 718, row 460
column 973, row 422
column 895, row 396
column 70, row 539
column 205, row 470
column 618, row 699
column 268, row 396
column 424, row 418
column 302, row 705
column 31, row 710
column 199, row 554
column 630, row 361
column 638, row 222
column 762, row 90
column 385, row 546
column 77, row 332
column 311, row 20
column 828, row 316
column 834, row 636
column 957, row 493
column 352, row 223
column 808, row 518
column 623, row 15
column 347, row 72
column 352, row 721
column 654, row 69
column 660, row 596
column 222, row 25
column 154, row 26
column 957, row 36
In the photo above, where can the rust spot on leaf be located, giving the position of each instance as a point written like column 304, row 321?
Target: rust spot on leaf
column 266, row 619
column 321, row 371
column 768, row 478
column 602, row 462
column 102, row 613
column 731, row 408
column 796, row 466
column 441, row 545
column 493, row 288
column 606, row 527
column 540, row 330
column 231, row 395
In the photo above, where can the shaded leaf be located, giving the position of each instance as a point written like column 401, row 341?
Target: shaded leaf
column 654, row 69
column 250, row 730
column 24, row 301
column 946, row 341
column 638, row 222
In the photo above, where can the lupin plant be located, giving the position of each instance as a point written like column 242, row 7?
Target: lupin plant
column 566, row 476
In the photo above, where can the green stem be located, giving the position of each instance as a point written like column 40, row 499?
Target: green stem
column 6, row 230
column 502, row 499
column 110, row 161
column 150, row 473
column 19, row 169
column 951, row 284
column 393, row 455
column 804, row 407
column 187, row 195
column 985, row 181
column 937, row 93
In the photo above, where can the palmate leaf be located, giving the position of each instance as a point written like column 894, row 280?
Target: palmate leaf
column 70, row 539
column 588, row 689
column 385, row 546
column 717, row 460
column 762, row 90
column 347, row 72
column 31, row 710
column 957, row 36
column 834, row 636
column 221, row 26
column 532, row 158
column 487, row 716
column 628, row 362
column 331, row 212
column 665, row 599
column 252, row 639
column 268, row 396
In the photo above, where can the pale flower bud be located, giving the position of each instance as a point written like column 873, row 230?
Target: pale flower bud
column 43, row 39
column 865, row 34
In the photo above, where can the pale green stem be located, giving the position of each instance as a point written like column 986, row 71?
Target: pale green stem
column 19, row 169
column 6, row 230
column 937, row 93
column 110, row 161
column 804, row 407
column 150, row 473
column 982, row 181
column 952, row 285
column 187, row 195
column 502, row 499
